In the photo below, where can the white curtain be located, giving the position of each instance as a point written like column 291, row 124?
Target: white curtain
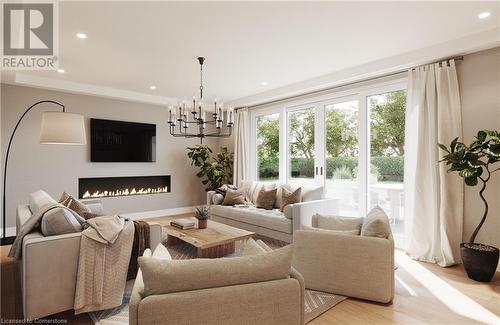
column 241, row 146
column 433, row 198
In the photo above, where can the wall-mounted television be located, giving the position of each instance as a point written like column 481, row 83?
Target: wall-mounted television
column 119, row 141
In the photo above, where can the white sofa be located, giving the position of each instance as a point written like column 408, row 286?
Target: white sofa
column 49, row 266
column 272, row 223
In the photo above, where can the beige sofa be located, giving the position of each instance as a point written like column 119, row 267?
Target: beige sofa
column 272, row 223
column 273, row 302
column 351, row 265
column 49, row 266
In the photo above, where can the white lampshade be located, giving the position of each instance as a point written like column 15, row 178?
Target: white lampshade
column 62, row 128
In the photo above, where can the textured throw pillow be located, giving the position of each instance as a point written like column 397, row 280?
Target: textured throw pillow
column 329, row 231
column 233, row 197
column 266, row 198
column 162, row 276
column 60, row 221
column 90, row 215
column 161, row 253
column 337, row 223
column 376, row 224
column 64, row 198
column 289, row 197
column 217, row 198
column 78, row 206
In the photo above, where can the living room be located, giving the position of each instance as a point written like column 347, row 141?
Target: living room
column 250, row 162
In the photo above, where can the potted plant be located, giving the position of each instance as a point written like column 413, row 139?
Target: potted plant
column 474, row 163
column 202, row 214
column 215, row 171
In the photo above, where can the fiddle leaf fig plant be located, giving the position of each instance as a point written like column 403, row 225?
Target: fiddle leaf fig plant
column 474, row 163
column 215, row 170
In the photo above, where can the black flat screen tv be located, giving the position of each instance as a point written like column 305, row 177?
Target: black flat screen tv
column 118, row 141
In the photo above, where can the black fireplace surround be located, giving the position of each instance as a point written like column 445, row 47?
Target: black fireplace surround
column 97, row 187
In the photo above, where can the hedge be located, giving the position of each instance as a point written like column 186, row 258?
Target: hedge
column 388, row 168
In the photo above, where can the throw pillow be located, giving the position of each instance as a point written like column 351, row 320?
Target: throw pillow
column 59, row 221
column 288, row 197
column 329, row 231
column 337, row 223
column 163, row 276
column 64, row 197
column 312, row 193
column 376, row 224
column 78, row 206
column 161, row 253
column 89, row 215
column 266, row 198
column 217, row 198
column 233, row 197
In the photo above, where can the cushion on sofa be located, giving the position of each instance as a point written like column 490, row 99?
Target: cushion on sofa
column 270, row 219
column 337, row 223
column 58, row 221
column 78, row 207
column 253, row 190
column 376, row 224
column 217, row 198
column 330, row 231
column 266, row 198
column 161, row 253
column 233, row 197
column 289, row 197
column 312, row 193
column 39, row 199
column 162, row 276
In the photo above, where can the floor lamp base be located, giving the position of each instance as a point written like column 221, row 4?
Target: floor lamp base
column 7, row 240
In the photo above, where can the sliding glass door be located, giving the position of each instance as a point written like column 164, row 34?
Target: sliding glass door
column 387, row 139
column 352, row 144
column 301, row 149
column 342, row 153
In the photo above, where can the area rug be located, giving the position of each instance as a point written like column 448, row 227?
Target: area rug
column 316, row 302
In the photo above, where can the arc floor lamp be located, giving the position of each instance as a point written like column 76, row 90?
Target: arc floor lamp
column 57, row 127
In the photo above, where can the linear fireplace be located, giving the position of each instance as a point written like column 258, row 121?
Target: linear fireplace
column 95, row 187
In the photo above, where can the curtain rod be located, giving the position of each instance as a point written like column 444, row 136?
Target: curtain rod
column 390, row 74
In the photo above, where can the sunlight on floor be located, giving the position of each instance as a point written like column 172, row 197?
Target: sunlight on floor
column 448, row 295
column 407, row 287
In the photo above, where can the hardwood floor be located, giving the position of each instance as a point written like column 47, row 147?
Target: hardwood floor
column 425, row 294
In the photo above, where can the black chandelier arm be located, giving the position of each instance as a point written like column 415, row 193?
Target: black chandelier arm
column 7, row 157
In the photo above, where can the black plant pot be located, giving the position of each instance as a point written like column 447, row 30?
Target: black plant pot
column 480, row 265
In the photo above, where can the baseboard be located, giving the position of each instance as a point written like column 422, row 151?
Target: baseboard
column 158, row 213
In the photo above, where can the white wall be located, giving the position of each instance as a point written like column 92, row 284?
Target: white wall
column 479, row 80
column 54, row 168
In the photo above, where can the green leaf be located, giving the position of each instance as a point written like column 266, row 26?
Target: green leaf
column 481, row 135
column 453, row 144
column 471, row 181
column 443, row 147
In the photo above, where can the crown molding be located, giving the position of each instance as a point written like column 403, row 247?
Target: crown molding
column 461, row 46
column 23, row 79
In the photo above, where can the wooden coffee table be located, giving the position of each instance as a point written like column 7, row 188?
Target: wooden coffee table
column 217, row 240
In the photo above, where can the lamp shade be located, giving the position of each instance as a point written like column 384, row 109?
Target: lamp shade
column 62, row 128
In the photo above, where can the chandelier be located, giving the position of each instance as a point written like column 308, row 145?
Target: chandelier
column 196, row 126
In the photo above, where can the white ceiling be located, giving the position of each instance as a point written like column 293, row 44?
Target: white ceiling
column 132, row 45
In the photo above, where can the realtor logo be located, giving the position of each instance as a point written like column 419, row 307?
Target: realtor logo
column 29, row 36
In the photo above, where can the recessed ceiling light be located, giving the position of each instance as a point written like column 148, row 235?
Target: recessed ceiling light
column 152, row 87
column 81, row 35
column 61, row 70
column 484, row 15
column 263, row 83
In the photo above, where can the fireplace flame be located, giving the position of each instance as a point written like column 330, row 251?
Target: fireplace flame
column 125, row 192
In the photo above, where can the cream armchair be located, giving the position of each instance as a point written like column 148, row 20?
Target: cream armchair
column 354, row 266
column 272, row 302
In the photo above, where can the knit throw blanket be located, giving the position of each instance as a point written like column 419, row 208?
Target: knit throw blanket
column 141, row 242
column 105, row 248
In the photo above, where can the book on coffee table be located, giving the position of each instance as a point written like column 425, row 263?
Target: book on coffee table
column 183, row 223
